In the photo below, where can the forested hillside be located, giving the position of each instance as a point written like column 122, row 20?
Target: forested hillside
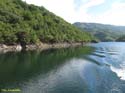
column 21, row 22
column 101, row 31
column 121, row 39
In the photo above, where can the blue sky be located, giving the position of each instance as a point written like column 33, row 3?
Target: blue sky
column 98, row 11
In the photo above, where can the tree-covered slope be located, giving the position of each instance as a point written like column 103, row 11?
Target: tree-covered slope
column 21, row 22
column 101, row 31
column 121, row 39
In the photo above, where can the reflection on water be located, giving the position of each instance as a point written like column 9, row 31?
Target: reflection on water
column 91, row 69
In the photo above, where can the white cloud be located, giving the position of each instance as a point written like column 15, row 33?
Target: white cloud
column 67, row 10
column 115, row 15
column 82, row 15
column 92, row 3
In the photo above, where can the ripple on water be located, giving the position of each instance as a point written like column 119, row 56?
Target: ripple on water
column 113, row 54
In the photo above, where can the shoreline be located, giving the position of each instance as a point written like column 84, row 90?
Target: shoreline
column 41, row 46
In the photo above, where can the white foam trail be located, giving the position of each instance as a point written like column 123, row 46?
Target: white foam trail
column 119, row 72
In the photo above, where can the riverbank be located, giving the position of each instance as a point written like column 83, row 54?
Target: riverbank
column 41, row 46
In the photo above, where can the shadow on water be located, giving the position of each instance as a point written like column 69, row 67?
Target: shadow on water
column 20, row 66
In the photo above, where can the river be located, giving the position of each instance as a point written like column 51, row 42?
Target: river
column 95, row 68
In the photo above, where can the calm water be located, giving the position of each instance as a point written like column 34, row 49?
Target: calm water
column 97, row 68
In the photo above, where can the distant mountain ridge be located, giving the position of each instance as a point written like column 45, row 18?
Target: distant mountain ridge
column 103, row 32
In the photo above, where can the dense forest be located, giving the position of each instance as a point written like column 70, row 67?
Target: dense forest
column 121, row 39
column 26, row 23
column 101, row 31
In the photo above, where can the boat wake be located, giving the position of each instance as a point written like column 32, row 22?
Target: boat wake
column 119, row 72
column 111, row 55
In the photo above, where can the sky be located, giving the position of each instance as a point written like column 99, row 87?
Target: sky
column 95, row 11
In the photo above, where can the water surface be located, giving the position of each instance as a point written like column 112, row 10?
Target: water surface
column 96, row 68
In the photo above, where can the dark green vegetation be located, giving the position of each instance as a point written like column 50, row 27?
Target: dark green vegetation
column 101, row 31
column 121, row 39
column 23, row 23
